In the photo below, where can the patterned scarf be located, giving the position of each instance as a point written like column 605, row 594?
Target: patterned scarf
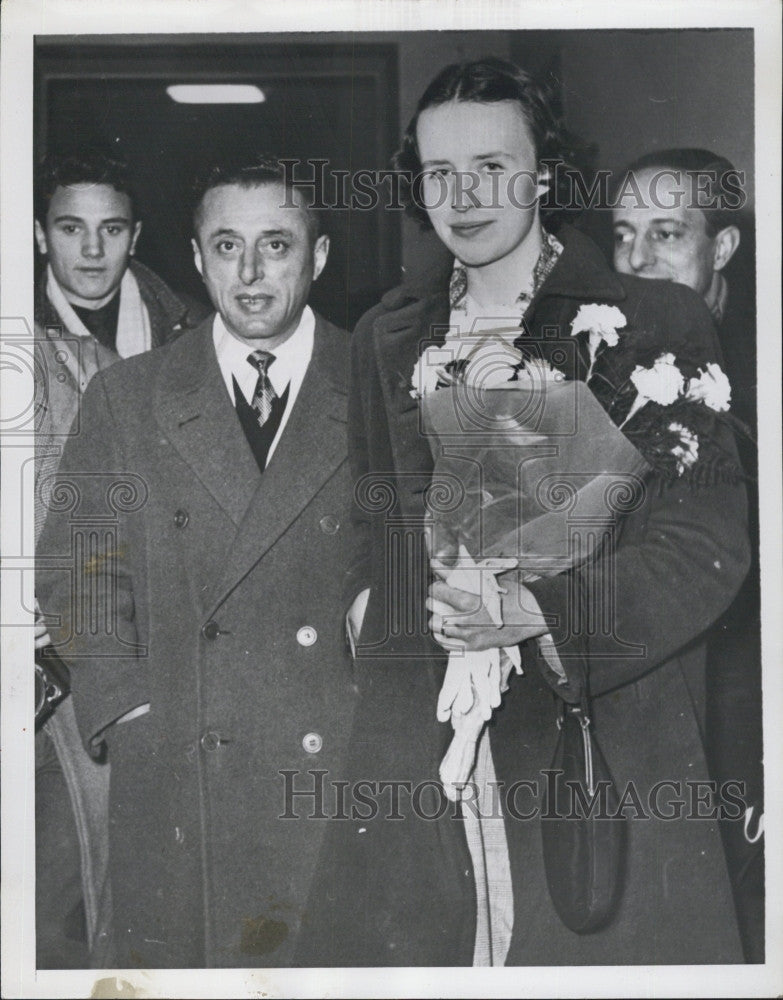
column 459, row 299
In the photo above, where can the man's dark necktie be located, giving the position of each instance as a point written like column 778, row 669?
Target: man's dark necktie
column 265, row 395
column 261, row 417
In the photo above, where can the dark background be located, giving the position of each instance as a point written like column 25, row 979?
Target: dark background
column 346, row 97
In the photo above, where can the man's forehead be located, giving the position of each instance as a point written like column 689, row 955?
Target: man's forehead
column 270, row 204
column 660, row 193
column 90, row 199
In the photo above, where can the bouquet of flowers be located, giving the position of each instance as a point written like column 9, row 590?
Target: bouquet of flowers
column 522, row 452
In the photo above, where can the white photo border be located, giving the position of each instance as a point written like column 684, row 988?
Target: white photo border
column 22, row 20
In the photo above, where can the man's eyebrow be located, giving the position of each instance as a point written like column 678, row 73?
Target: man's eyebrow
column 104, row 222
column 658, row 220
column 227, row 231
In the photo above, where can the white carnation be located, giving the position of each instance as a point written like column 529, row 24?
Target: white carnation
column 600, row 319
column 602, row 323
column 687, row 451
column 662, row 383
column 711, row 387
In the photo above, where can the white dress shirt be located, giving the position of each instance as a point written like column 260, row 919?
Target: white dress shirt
column 291, row 360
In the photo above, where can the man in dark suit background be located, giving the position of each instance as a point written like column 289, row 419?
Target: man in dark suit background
column 219, row 466
column 689, row 231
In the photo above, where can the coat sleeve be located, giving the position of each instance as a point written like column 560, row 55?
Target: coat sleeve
column 84, row 580
column 679, row 561
column 636, row 606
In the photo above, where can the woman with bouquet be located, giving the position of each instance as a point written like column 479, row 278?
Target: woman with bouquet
column 623, row 626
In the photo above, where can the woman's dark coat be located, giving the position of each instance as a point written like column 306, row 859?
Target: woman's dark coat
column 400, row 891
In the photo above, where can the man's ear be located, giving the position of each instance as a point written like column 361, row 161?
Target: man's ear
column 320, row 255
column 197, row 257
column 543, row 181
column 725, row 246
column 136, row 232
column 40, row 237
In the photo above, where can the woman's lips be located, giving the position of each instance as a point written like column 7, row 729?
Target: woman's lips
column 466, row 230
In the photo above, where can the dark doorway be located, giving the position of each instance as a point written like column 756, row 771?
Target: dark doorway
column 330, row 102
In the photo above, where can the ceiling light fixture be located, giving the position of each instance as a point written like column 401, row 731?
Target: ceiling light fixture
column 216, row 93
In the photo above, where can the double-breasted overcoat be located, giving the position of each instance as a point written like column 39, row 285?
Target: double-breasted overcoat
column 187, row 580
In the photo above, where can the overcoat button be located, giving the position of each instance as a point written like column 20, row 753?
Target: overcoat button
column 329, row 525
column 306, row 635
column 312, row 742
column 211, row 630
column 210, row 741
column 181, row 518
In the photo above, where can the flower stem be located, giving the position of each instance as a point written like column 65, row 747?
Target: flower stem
column 637, row 404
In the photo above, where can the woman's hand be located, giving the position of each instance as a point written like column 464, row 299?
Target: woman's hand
column 459, row 620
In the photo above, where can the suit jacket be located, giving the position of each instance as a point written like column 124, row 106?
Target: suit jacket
column 211, row 592
column 677, row 561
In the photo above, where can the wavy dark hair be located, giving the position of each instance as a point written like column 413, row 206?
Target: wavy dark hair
column 487, row 81
column 89, row 166
column 260, row 169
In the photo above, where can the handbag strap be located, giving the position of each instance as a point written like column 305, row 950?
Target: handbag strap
column 581, row 714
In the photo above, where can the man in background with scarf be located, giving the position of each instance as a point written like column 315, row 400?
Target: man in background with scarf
column 94, row 304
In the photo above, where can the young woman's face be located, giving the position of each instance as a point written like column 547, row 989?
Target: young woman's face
column 480, row 185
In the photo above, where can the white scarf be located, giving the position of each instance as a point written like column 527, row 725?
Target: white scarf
column 134, row 333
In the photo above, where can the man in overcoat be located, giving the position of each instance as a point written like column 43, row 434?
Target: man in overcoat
column 192, row 554
column 403, row 884
column 94, row 303
column 686, row 230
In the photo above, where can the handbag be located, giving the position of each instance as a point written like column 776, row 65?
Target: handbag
column 584, row 841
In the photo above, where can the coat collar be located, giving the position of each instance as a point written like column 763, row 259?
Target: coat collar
column 194, row 410
column 582, row 271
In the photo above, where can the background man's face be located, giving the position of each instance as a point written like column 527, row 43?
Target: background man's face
column 663, row 242
column 88, row 236
column 257, row 259
column 494, row 142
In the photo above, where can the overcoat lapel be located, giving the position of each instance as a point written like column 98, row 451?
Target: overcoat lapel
column 312, row 447
column 400, row 337
column 195, row 411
